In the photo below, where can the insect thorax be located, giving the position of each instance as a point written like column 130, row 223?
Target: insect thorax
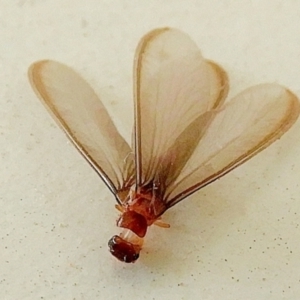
column 145, row 201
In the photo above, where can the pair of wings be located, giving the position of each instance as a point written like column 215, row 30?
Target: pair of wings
column 185, row 137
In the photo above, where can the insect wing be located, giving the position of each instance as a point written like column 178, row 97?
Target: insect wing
column 243, row 127
column 80, row 113
column 174, row 86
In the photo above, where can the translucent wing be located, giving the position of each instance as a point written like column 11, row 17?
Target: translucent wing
column 243, row 127
column 80, row 113
column 174, row 86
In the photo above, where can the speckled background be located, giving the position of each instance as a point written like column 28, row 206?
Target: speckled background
column 238, row 238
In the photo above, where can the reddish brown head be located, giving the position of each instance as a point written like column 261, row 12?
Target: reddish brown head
column 123, row 250
column 127, row 246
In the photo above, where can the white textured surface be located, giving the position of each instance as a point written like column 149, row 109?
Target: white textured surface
column 236, row 239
